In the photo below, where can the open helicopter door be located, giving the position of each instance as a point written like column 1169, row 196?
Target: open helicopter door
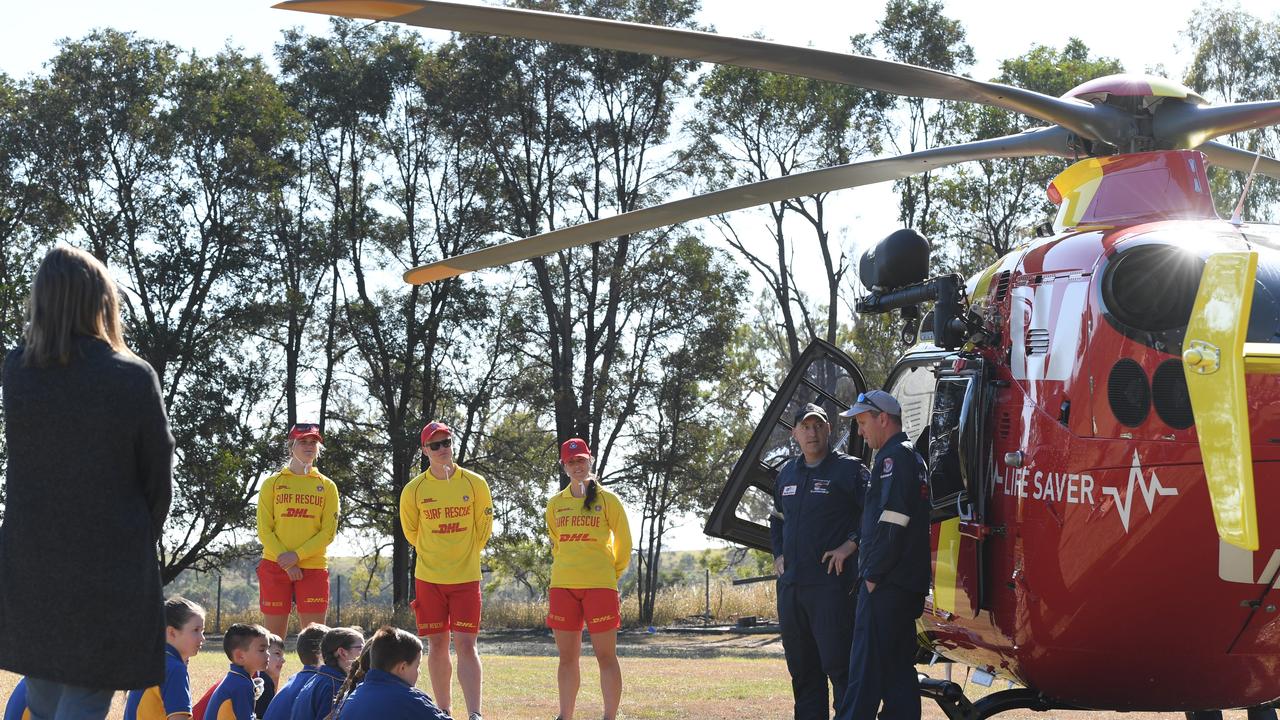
column 960, row 467
column 823, row 375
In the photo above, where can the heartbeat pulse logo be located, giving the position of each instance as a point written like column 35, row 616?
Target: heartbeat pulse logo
column 1149, row 492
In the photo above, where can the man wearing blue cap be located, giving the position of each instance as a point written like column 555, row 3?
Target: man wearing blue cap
column 817, row 502
column 893, row 570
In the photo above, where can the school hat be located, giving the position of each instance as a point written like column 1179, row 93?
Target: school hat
column 305, row 430
column 877, row 400
column 434, row 428
column 810, row 410
column 574, row 448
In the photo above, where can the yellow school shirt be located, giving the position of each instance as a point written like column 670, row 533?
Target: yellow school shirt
column 448, row 522
column 298, row 513
column 590, row 547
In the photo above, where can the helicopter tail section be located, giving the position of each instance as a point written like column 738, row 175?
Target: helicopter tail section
column 1215, row 359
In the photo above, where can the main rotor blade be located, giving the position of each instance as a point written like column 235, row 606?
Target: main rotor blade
column 1033, row 143
column 1233, row 158
column 1185, row 125
column 1095, row 122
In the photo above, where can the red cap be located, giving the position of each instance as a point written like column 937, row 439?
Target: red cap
column 305, row 430
column 574, row 448
column 434, row 428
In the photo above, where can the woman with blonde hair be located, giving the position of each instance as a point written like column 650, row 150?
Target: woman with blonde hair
column 88, row 486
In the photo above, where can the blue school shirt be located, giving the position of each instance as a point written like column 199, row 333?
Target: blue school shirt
column 282, row 704
column 315, row 700
column 16, row 708
column 383, row 695
column 160, row 701
column 233, row 700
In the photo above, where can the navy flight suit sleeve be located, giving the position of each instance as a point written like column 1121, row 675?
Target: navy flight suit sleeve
column 900, row 498
column 776, row 516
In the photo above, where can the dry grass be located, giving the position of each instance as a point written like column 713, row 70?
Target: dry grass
column 523, row 688
column 674, row 604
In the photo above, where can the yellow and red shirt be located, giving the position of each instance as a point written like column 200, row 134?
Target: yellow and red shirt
column 298, row 513
column 448, row 522
column 590, row 546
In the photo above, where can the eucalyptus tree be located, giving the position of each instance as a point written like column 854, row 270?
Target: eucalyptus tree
column 573, row 135
column 919, row 32
column 682, row 446
column 158, row 160
column 986, row 208
column 751, row 126
column 1236, row 58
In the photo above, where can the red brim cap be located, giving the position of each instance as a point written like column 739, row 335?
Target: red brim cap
column 302, row 431
column 574, row 448
column 435, row 428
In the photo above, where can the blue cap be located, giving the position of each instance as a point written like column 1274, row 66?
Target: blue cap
column 874, row 400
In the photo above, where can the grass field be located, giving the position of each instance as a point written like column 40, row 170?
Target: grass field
column 522, row 686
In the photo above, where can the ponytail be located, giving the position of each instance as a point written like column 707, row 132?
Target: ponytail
column 589, row 496
column 355, row 676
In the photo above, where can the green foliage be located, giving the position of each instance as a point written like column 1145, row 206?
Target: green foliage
column 987, row 208
column 1237, row 59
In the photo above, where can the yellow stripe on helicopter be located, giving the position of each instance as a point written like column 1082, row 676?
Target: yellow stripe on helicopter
column 1215, row 359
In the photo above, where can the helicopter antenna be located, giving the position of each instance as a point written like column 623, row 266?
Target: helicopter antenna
column 1237, row 218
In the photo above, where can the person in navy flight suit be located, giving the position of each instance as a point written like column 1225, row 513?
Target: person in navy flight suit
column 817, row 503
column 893, row 571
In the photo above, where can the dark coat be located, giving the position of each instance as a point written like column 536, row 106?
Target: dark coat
column 88, row 486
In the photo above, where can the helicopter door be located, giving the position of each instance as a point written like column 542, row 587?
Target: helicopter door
column 960, row 463
column 824, row 375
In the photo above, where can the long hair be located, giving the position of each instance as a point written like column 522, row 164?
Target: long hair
column 355, row 676
column 589, row 496
column 71, row 295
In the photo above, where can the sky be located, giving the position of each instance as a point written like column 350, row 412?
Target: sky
column 1140, row 37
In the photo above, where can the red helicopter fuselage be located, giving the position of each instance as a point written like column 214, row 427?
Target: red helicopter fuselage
column 1094, row 573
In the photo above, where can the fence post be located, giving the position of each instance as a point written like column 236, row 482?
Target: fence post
column 339, row 612
column 706, row 615
column 218, row 623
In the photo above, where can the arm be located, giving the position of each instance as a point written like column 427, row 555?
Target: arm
column 318, row 543
column 155, row 456
column 409, row 513
column 776, row 520
column 271, row 545
column 617, row 517
column 891, row 527
column 484, row 511
column 551, row 526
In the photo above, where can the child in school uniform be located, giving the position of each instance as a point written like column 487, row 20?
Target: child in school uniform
column 183, row 634
column 388, row 689
column 16, row 708
column 309, row 639
column 246, row 648
column 271, row 675
column 340, row 648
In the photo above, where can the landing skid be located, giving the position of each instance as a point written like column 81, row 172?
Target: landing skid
column 951, row 699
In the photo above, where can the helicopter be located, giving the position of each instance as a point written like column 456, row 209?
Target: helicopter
column 1098, row 408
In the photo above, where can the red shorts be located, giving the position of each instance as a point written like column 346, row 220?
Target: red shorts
column 597, row 608
column 446, row 606
column 277, row 593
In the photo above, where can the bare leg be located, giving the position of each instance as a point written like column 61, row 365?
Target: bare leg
column 568, row 678
column 440, row 669
column 305, row 619
column 470, row 674
column 276, row 624
column 605, row 646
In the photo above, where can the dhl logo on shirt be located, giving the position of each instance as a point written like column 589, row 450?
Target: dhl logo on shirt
column 447, row 528
column 295, row 512
column 575, row 537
